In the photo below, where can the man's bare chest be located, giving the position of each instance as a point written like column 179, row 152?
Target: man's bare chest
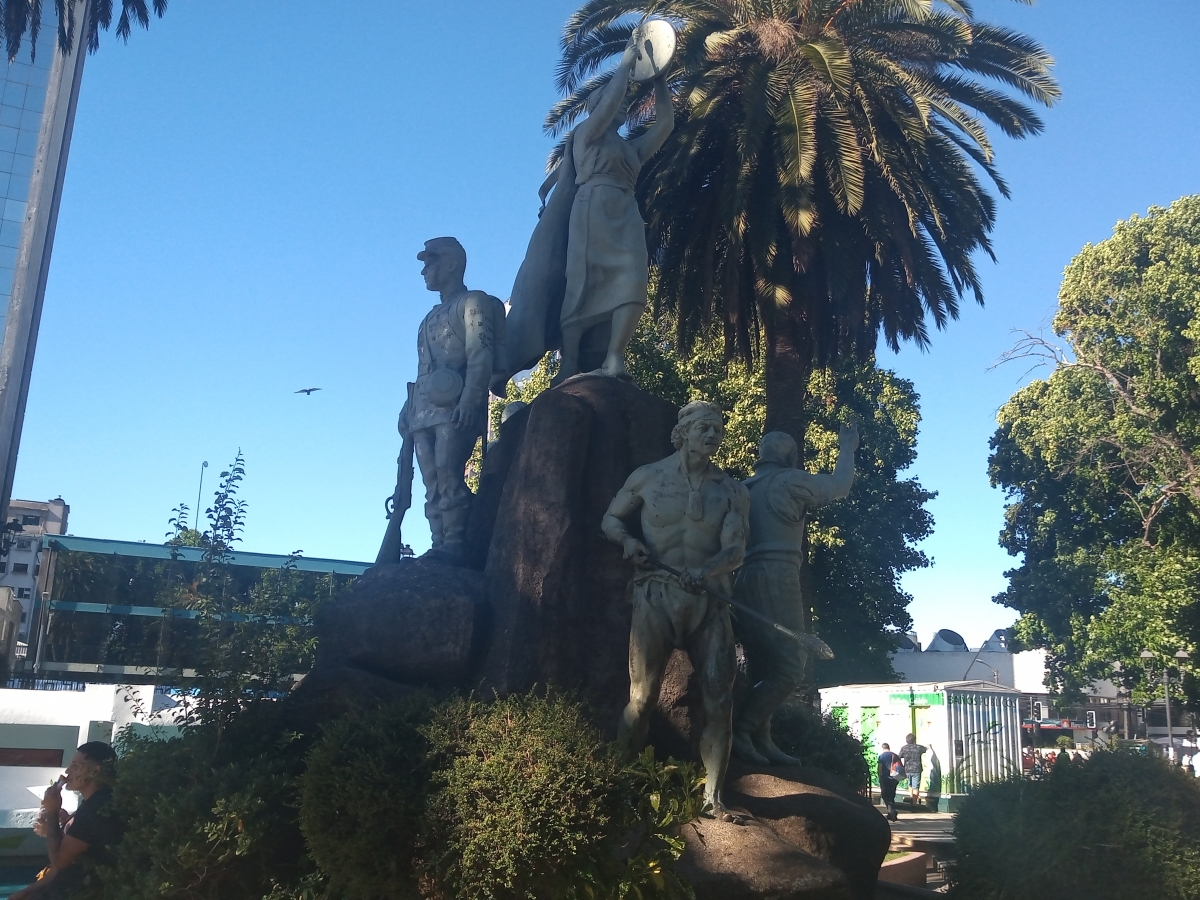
column 669, row 500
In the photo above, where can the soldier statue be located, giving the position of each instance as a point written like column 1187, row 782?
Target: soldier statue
column 693, row 520
column 769, row 583
column 459, row 346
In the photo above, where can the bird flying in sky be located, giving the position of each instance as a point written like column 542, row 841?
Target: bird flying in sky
column 307, row 391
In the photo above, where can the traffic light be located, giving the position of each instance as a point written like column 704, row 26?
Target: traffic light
column 1036, row 709
column 1090, row 717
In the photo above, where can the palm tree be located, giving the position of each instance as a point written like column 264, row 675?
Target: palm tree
column 21, row 17
column 822, row 185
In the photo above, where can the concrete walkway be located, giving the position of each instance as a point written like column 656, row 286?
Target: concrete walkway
column 928, row 832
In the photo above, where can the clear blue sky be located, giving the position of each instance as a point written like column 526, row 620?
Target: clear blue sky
column 249, row 184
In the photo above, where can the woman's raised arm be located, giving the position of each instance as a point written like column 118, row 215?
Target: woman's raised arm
column 612, row 97
column 664, row 121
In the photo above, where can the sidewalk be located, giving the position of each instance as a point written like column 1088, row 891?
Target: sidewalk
column 928, row 825
column 928, row 832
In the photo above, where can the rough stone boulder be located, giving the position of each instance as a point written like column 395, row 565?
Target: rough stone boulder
column 726, row 861
column 418, row 622
column 556, row 587
column 816, row 812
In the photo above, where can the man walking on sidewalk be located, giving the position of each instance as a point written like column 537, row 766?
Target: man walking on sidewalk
column 911, row 754
column 891, row 770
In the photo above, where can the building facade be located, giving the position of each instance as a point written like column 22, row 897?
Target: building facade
column 38, row 96
column 21, row 567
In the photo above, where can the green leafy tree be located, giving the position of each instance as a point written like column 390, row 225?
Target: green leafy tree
column 822, row 184
column 1099, row 459
column 253, row 633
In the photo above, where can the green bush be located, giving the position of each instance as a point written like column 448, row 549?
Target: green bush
column 819, row 741
column 211, row 815
column 1116, row 826
column 528, row 796
column 363, row 800
column 516, row 798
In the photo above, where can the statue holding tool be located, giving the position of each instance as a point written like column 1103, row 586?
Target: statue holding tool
column 586, row 266
column 694, row 521
column 768, row 585
column 459, row 346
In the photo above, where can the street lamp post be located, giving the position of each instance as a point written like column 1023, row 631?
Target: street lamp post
column 199, row 491
column 1181, row 657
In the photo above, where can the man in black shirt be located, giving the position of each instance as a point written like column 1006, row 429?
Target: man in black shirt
column 89, row 835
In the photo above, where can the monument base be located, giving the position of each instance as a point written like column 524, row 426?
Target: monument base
column 551, row 607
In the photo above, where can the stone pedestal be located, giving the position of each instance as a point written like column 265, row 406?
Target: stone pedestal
column 557, row 589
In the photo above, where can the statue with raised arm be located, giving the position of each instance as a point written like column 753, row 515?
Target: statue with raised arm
column 586, row 264
column 693, row 520
column 459, row 344
column 781, row 494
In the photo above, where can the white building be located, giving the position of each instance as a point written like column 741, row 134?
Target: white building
column 948, row 659
column 21, row 568
column 971, row 729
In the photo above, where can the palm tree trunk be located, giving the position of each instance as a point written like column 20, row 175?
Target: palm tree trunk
column 788, row 365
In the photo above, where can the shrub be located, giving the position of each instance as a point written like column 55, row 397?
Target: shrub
column 818, row 740
column 1115, row 826
column 529, row 792
column 531, row 802
column 211, row 815
column 363, row 800
column 516, row 798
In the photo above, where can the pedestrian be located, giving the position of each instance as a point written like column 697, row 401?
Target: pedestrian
column 1039, row 767
column 87, row 837
column 891, row 771
column 911, row 754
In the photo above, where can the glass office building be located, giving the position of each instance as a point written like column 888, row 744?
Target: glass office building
column 37, row 111
column 22, row 105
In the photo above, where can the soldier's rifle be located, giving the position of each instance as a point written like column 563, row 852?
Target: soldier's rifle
column 400, row 501
column 810, row 642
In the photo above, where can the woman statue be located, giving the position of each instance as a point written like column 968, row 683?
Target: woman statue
column 592, row 231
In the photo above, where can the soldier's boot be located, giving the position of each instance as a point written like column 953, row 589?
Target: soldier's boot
column 754, row 723
column 433, row 514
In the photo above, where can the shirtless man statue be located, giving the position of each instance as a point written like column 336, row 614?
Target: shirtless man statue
column 694, row 519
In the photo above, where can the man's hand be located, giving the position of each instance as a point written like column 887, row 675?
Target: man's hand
column 463, row 416
column 692, row 581
column 636, row 551
column 848, row 438
column 52, row 799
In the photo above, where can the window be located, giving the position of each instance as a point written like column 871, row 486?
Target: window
column 31, row 520
column 20, row 568
column 3, row 567
column 22, row 593
column 24, row 544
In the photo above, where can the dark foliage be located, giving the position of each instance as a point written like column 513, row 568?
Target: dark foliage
column 211, row 815
column 1117, row 826
column 819, row 741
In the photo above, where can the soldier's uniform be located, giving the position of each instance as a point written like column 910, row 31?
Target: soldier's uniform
column 457, row 348
column 769, row 582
